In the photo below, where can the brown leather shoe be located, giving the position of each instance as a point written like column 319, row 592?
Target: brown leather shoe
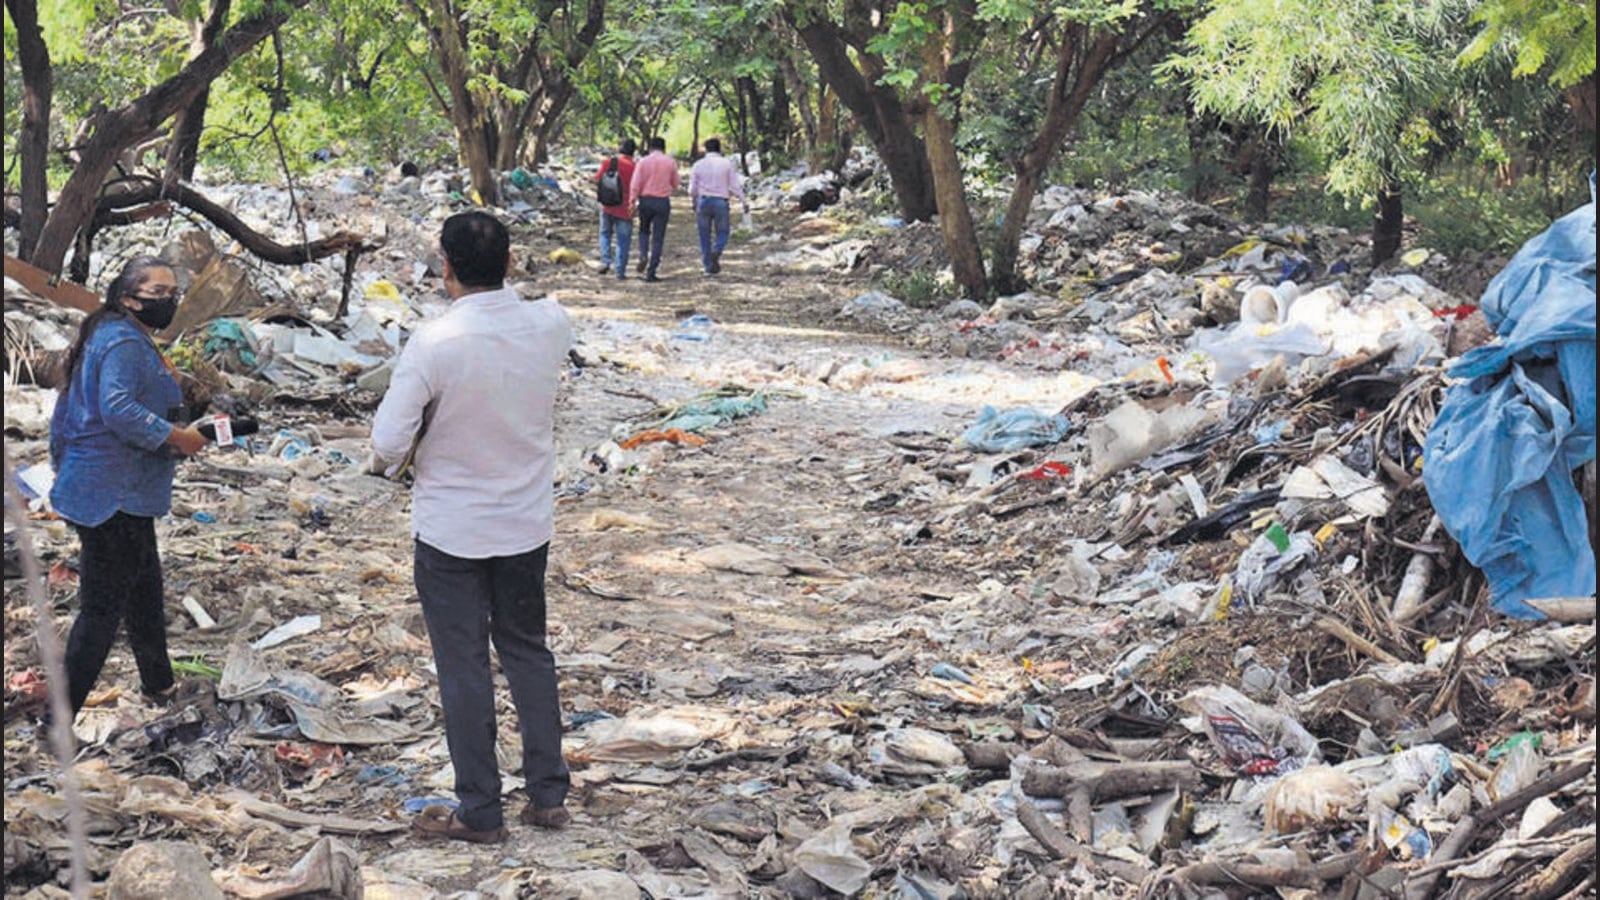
column 552, row 817
column 439, row 823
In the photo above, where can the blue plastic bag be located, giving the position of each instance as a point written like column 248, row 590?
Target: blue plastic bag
column 1498, row 461
column 1013, row 429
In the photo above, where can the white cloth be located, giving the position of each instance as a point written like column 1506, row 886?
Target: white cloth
column 479, row 384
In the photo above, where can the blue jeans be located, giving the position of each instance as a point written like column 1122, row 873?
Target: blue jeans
column 623, row 229
column 712, row 215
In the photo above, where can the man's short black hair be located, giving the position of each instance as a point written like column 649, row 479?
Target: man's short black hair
column 628, row 147
column 658, row 143
column 713, row 145
column 477, row 246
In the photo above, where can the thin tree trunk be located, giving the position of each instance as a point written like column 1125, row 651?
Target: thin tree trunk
column 1386, row 228
column 183, row 152
column 1581, row 98
column 1082, row 60
column 955, row 216
column 1263, row 166
column 38, row 85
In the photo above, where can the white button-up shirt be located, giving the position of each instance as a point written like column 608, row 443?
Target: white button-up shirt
column 479, row 384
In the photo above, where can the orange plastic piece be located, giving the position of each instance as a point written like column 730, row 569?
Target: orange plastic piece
column 671, row 435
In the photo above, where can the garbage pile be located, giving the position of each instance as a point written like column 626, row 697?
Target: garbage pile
column 837, row 616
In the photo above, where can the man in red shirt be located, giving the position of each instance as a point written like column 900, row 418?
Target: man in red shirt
column 617, row 220
column 654, row 180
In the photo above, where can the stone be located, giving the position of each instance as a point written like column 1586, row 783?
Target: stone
column 163, row 870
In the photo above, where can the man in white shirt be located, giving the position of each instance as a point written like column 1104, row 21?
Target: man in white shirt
column 472, row 402
column 712, row 182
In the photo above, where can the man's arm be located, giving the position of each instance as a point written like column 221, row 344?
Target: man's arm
column 398, row 422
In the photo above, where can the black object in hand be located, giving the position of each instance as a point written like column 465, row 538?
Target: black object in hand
column 242, row 426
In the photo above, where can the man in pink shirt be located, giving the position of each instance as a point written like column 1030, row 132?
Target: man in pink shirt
column 712, row 181
column 654, row 180
column 617, row 220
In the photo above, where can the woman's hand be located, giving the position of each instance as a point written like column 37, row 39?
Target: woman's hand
column 186, row 440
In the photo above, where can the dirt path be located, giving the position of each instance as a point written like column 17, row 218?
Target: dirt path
column 779, row 682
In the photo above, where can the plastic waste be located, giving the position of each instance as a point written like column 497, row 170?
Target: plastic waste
column 1518, row 769
column 1268, row 558
column 1131, row 432
column 829, row 857
column 415, row 805
column 1014, row 429
column 1312, row 797
column 1263, row 305
column 298, row 626
column 1499, row 458
column 951, row 673
column 1243, row 347
column 1405, row 840
column 695, row 328
column 1255, row 739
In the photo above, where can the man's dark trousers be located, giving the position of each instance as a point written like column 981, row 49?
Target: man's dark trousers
column 653, row 215
column 466, row 603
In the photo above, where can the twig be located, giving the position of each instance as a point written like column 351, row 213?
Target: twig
column 51, row 656
column 1354, row 641
column 1452, row 681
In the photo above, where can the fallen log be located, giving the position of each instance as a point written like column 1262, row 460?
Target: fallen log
column 1309, row 877
column 142, row 191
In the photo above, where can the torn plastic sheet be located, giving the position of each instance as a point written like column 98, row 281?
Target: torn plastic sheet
column 1498, row 461
column 318, row 708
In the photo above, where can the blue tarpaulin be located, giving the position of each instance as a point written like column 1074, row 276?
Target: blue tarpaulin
column 1498, row 462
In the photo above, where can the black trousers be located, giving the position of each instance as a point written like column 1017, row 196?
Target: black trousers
column 653, row 215
column 119, row 577
column 467, row 603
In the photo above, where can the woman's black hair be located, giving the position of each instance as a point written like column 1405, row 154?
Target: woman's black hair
column 132, row 275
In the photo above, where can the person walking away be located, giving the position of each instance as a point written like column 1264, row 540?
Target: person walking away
column 616, row 218
column 654, row 181
column 712, row 183
column 112, row 443
column 472, row 405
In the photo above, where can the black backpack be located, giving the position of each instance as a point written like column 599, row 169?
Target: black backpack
column 609, row 190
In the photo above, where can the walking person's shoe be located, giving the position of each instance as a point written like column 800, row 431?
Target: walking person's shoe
column 640, row 267
column 441, row 823
column 605, row 270
column 551, row 817
column 716, row 262
column 651, row 276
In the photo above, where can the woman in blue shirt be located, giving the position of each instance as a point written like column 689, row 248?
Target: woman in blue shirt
column 113, row 450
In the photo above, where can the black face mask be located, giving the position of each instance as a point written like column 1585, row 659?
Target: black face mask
column 156, row 313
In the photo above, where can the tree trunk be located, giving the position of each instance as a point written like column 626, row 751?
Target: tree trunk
column 1386, row 228
column 801, row 92
column 955, row 216
column 38, row 85
column 694, row 136
column 1581, row 98
column 183, row 152
column 1200, row 128
column 122, row 127
column 880, row 114
column 775, row 136
column 1082, row 60
column 470, row 118
column 1263, row 165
